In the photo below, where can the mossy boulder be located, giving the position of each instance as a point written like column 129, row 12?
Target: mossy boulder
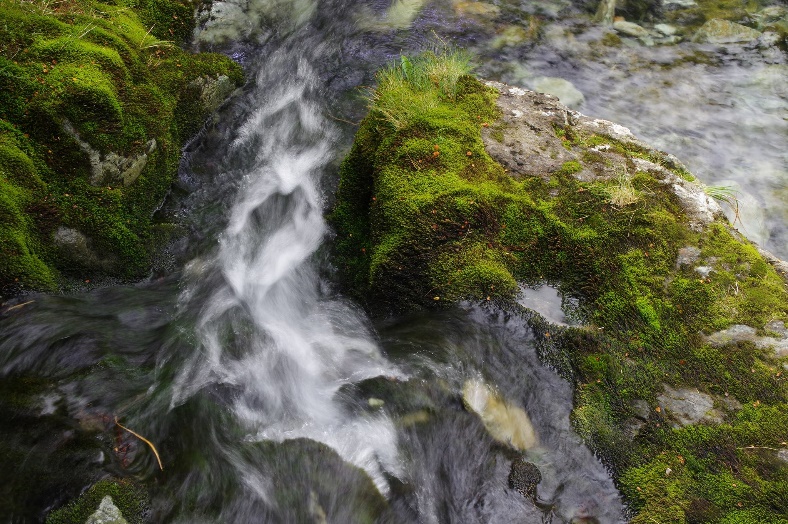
column 85, row 89
column 486, row 188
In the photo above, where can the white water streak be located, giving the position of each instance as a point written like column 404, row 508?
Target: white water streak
column 302, row 347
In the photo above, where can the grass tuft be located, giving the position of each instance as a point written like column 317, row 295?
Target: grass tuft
column 415, row 86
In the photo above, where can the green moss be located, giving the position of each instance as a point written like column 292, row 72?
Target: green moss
column 725, row 473
column 424, row 218
column 114, row 73
column 130, row 498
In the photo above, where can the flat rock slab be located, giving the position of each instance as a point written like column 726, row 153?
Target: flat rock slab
column 717, row 31
column 688, row 406
column 528, row 144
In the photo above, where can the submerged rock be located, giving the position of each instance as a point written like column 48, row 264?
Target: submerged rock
column 506, row 422
column 566, row 92
column 524, row 477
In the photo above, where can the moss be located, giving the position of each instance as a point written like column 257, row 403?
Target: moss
column 424, row 218
column 130, row 498
column 114, row 73
column 724, row 473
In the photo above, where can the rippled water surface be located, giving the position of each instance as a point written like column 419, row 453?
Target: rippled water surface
column 272, row 398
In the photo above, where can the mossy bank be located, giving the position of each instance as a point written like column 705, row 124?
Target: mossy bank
column 456, row 190
column 96, row 102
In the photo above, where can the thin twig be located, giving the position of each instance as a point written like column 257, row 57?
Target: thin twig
column 146, row 441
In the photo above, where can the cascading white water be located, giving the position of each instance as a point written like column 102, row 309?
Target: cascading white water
column 300, row 347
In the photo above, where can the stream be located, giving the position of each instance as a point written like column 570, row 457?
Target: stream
column 271, row 397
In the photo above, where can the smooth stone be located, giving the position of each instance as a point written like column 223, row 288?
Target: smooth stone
column 717, row 31
column 630, row 29
column 666, row 29
column 566, row 92
column 107, row 513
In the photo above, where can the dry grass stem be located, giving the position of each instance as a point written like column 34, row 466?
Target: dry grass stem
column 146, row 441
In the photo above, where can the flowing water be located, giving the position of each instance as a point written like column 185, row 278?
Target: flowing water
column 270, row 397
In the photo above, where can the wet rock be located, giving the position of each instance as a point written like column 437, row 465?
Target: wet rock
column 505, row 422
column 480, row 10
column 511, row 36
column 566, row 92
column 524, row 478
column 107, row 513
column 688, row 406
column 717, row 31
column 414, row 418
column 630, row 29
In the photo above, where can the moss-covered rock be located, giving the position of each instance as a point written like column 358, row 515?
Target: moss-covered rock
column 468, row 191
column 83, row 85
column 125, row 495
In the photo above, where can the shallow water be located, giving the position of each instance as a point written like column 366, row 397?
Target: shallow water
column 270, row 397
